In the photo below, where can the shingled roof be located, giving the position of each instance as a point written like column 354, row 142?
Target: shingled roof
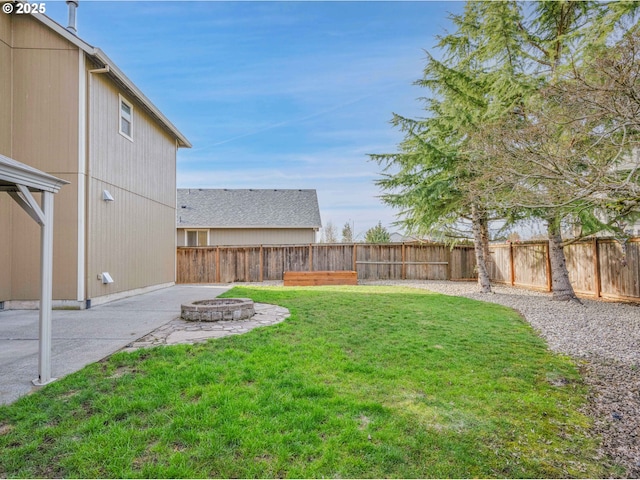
column 228, row 208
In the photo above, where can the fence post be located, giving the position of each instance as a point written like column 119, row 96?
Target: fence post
column 246, row 265
column 218, row 264
column 596, row 268
column 355, row 267
column 512, row 265
column 311, row 257
column 404, row 266
column 549, row 282
column 261, row 268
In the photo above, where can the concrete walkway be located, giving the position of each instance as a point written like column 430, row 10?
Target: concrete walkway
column 81, row 337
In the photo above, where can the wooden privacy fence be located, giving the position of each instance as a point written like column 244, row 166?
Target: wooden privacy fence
column 598, row 267
column 393, row 261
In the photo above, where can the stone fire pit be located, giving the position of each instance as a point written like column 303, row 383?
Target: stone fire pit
column 218, row 309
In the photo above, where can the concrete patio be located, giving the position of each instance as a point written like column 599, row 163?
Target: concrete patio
column 81, row 337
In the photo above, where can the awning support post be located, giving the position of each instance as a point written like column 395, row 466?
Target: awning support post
column 46, row 291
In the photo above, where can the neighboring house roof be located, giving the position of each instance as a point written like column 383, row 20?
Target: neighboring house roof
column 101, row 59
column 227, row 208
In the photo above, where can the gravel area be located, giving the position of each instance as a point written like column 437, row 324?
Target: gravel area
column 603, row 337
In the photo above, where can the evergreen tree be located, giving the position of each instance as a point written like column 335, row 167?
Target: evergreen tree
column 493, row 65
column 347, row 233
column 377, row 234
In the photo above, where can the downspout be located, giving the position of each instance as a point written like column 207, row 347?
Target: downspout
column 175, row 215
column 82, row 180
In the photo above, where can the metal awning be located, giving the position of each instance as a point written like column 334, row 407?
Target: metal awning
column 19, row 181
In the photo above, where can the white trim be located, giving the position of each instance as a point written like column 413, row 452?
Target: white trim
column 186, row 236
column 46, row 289
column 28, row 203
column 122, row 100
column 20, row 174
column 82, row 173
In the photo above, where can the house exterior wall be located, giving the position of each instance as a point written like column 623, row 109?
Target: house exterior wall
column 39, row 109
column 5, row 146
column 132, row 237
column 5, row 247
column 5, row 83
column 57, row 116
column 254, row 236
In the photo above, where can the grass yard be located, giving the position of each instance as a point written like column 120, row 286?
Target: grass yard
column 358, row 382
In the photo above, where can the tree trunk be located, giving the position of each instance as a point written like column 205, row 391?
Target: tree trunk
column 483, row 275
column 484, row 234
column 560, row 284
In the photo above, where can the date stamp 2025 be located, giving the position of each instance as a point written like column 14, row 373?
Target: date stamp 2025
column 24, row 8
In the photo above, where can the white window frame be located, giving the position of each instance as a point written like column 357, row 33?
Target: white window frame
column 122, row 100
column 197, row 230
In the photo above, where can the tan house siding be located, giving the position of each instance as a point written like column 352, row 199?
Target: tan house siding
column 40, row 111
column 145, row 166
column 31, row 34
column 5, row 147
column 45, row 109
column 131, row 237
column 135, row 253
column 5, row 85
column 5, row 247
column 25, row 238
column 254, row 236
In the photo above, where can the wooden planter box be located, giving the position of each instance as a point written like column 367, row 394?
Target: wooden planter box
column 302, row 279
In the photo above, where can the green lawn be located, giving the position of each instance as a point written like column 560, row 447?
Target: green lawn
column 358, row 382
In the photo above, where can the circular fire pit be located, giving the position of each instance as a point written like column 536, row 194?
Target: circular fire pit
column 218, row 309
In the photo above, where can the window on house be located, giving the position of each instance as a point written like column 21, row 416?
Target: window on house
column 126, row 119
column 197, row 238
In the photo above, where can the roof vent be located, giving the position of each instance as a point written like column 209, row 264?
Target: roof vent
column 72, row 27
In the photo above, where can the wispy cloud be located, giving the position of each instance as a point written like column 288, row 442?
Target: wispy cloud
column 276, row 94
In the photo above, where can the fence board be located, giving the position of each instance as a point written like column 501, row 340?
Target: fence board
column 499, row 265
column 530, row 265
column 239, row 264
column 582, row 272
column 620, row 269
column 333, row 257
column 426, row 253
column 196, row 265
column 463, row 263
column 389, row 255
column 273, row 263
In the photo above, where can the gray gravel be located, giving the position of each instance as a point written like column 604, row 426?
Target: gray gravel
column 603, row 337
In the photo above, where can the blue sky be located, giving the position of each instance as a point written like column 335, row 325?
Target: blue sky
column 276, row 94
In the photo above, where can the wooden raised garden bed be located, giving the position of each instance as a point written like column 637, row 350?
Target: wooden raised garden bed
column 302, row 279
